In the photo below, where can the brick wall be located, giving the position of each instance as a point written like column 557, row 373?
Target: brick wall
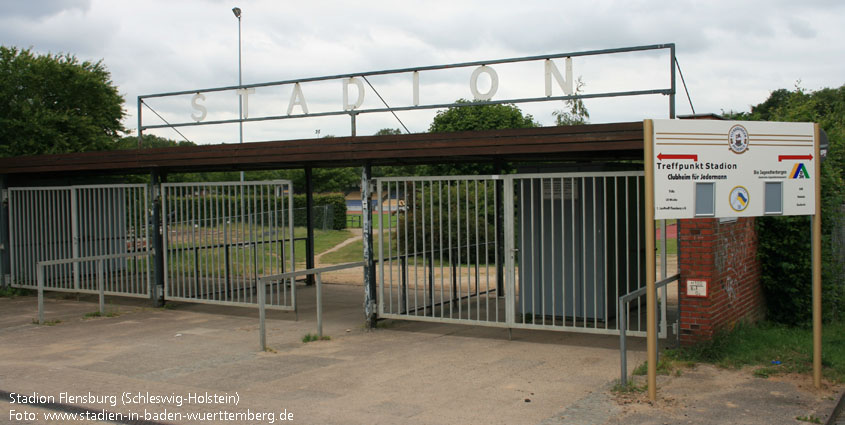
column 724, row 254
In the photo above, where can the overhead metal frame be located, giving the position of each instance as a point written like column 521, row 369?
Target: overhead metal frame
column 670, row 91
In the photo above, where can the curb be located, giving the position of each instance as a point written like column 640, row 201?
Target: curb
column 837, row 411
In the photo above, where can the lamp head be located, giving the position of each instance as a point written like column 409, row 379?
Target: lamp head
column 237, row 12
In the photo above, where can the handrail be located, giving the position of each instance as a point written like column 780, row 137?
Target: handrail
column 623, row 324
column 262, row 282
column 39, row 273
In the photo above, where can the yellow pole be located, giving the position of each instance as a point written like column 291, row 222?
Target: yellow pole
column 817, row 269
column 651, row 340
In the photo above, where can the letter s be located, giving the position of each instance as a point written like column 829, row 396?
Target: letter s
column 199, row 108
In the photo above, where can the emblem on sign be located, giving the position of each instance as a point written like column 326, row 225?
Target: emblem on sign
column 738, row 139
column 739, row 198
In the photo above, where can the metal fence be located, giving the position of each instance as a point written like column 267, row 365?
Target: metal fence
column 565, row 247
column 220, row 237
column 58, row 223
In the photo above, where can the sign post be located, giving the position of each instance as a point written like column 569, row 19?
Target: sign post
column 731, row 169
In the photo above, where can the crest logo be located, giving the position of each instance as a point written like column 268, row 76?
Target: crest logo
column 739, row 198
column 738, row 139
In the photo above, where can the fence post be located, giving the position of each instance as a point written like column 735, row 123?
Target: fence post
column 370, row 295
column 309, row 225
column 101, row 287
column 39, row 271
column 319, row 306
column 262, row 336
column 157, row 292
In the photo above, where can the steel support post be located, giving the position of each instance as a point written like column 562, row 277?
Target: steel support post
column 816, row 224
column 4, row 232
column 309, row 224
column 651, row 293
column 157, row 294
column 672, row 77
column 370, row 311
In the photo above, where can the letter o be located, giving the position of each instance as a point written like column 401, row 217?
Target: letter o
column 494, row 83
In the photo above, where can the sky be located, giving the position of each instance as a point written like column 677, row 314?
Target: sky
column 732, row 55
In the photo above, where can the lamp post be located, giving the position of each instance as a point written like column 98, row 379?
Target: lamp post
column 237, row 12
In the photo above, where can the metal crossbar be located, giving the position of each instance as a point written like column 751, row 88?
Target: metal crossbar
column 101, row 284
column 262, row 282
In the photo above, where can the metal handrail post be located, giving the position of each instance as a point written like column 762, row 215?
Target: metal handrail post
column 623, row 327
column 262, row 334
column 623, row 323
column 319, row 282
column 40, row 276
column 101, row 287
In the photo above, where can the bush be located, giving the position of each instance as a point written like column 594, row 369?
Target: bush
column 338, row 207
column 784, row 242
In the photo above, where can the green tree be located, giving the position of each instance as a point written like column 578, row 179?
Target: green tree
column 474, row 118
column 575, row 112
column 149, row 141
column 55, row 104
column 388, row 132
column 783, row 241
column 480, row 117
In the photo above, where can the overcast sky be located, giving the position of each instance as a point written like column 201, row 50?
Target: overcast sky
column 732, row 53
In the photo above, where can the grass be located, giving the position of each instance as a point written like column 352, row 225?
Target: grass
column 348, row 254
column 811, row 419
column 629, row 387
column 213, row 260
column 313, row 337
column 771, row 348
column 93, row 314
column 53, row 322
column 354, row 220
column 9, row 292
column 665, row 366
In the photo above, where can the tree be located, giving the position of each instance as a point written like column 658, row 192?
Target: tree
column 55, row 104
column 149, row 141
column 576, row 112
column 480, row 117
column 783, row 241
column 474, row 118
column 388, row 132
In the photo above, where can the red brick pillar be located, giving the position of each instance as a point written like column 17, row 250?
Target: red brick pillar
column 724, row 255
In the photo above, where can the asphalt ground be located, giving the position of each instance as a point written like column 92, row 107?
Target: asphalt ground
column 164, row 364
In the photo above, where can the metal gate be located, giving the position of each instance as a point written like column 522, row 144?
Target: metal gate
column 220, row 237
column 539, row 251
column 72, row 222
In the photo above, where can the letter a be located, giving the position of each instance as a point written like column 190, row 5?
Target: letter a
column 297, row 98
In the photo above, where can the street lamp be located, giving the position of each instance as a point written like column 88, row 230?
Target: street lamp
column 237, row 12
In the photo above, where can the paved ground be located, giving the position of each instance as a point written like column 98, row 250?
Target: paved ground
column 404, row 372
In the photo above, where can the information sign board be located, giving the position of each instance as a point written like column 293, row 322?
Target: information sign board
column 712, row 168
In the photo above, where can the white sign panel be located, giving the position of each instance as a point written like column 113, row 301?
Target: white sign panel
column 711, row 168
